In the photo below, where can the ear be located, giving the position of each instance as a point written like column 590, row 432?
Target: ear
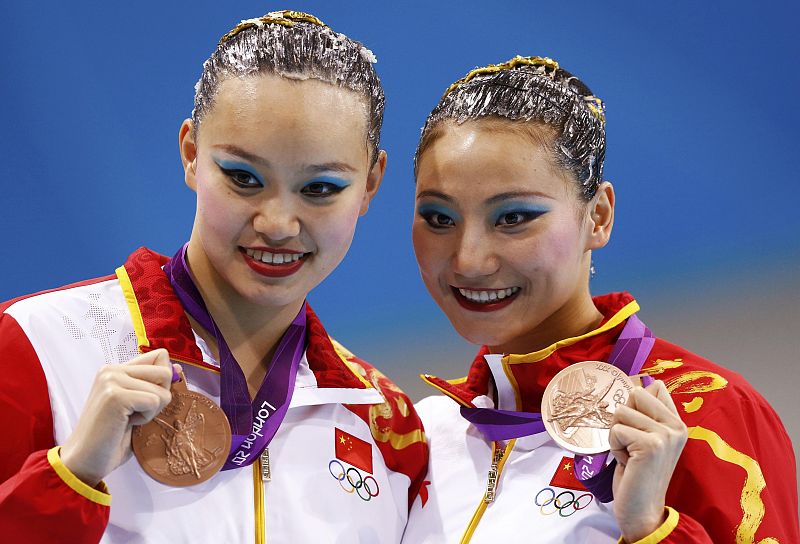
column 601, row 216
column 374, row 179
column 188, row 147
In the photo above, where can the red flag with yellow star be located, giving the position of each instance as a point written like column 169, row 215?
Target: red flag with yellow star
column 565, row 475
column 353, row 451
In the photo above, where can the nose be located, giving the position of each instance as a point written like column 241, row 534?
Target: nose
column 474, row 255
column 276, row 218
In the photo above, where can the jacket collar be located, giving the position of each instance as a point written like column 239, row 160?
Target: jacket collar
column 528, row 374
column 160, row 322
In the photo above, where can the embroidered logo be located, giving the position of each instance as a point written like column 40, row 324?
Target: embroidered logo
column 566, row 503
column 564, row 476
column 357, row 453
column 353, row 451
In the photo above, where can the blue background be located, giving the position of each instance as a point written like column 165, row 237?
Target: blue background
column 703, row 116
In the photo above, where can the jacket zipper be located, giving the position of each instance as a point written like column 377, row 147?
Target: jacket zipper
column 499, row 457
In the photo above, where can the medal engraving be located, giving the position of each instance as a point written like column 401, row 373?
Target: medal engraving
column 187, row 443
column 579, row 404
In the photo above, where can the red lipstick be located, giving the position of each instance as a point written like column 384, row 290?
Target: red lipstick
column 273, row 270
column 483, row 306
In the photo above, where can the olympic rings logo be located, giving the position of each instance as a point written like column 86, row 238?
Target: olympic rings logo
column 351, row 481
column 565, row 503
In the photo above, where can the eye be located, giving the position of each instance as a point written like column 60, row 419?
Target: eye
column 242, row 178
column 513, row 219
column 437, row 220
column 321, row 189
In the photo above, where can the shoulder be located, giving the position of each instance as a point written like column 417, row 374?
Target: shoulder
column 688, row 375
column 394, row 424
column 438, row 413
column 397, row 409
column 709, row 395
column 52, row 298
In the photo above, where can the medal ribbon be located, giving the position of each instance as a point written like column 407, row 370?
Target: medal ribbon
column 629, row 354
column 252, row 424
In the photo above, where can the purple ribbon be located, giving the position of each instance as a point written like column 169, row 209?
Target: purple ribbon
column 253, row 424
column 629, row 354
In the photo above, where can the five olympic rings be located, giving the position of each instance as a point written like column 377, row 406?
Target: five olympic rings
column 569, row 505
column 351, row 481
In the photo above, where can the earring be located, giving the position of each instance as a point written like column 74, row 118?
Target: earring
column 592, row 270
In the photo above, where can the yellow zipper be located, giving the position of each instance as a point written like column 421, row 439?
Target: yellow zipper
column 258, row 500
column 495, row 470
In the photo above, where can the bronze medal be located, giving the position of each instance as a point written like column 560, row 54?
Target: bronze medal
column 187, row 443
column 579, row 403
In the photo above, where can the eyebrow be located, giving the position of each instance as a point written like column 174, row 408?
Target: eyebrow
column 434, row 194
column 500, row 197
column 335, row 166
column 513, row 194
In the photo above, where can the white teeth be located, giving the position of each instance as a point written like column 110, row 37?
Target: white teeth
column 488, row 296
column 273, row 258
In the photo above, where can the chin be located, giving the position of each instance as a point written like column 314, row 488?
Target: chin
column 479, row 335
column 273, row 296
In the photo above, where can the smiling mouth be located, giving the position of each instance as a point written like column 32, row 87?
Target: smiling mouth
column 485, row 300
column 274, row 264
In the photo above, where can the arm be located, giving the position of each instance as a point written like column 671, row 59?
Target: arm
column 56, row 494
column 737, row 476
column 40, row 500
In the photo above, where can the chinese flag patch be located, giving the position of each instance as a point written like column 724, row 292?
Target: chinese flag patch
column 565, row 475
column 353, row 451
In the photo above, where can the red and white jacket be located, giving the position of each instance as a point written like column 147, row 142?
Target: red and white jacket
column 52, row 345
column 735, row 480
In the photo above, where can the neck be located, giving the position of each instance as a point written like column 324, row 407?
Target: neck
column 252, row 331
column 575, row 318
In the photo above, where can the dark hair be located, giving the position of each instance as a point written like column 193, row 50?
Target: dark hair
column 291, row 43
column 535, row 90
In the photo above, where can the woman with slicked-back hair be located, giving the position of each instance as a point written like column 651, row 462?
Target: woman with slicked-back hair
column 200, row 390
column 574, row 424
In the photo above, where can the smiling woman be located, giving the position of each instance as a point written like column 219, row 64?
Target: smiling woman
column 282, row 151
column 511, row 203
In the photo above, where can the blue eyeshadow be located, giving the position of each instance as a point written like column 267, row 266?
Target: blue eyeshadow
column 429, row 208
column 333, row 180
column 227, row 164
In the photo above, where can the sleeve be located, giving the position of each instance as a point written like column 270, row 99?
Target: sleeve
column 40, row 499
column 735, row 481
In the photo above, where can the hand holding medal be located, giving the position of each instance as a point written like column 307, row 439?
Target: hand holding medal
column 592, row 407
column 122, row 396
column 646, row 437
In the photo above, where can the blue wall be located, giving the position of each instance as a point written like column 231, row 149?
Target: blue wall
column 703, row 124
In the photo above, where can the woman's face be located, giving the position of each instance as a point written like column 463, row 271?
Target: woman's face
column 282, row 172
column 501, row 236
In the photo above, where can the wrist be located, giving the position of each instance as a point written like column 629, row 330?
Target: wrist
column 643, row 526
column 73, row 464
